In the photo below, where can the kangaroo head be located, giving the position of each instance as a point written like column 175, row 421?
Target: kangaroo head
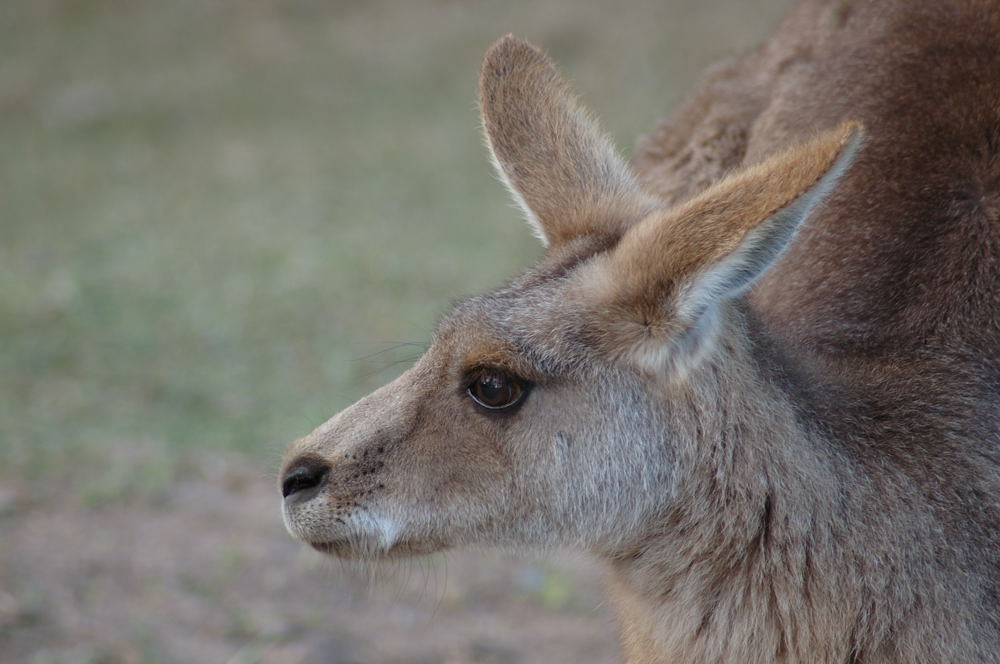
column 551, row 412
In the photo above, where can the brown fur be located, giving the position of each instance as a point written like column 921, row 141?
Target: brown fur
column 761, row 370
column 924, row 78
column 657, row 258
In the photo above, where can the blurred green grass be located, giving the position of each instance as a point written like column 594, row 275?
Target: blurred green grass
column 221, row 219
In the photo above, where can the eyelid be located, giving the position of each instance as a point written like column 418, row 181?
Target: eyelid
column 481, row 367
column 509, row 362
column 472, row 374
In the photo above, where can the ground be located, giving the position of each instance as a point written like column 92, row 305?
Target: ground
column 203, row 572
column 222, row 221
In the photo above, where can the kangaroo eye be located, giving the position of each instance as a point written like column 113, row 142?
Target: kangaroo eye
column 496, row 391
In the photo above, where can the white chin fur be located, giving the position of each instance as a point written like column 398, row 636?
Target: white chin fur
column 379, row 528
column 373, row 529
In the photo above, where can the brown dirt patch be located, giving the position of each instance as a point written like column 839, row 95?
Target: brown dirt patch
column 204, row 572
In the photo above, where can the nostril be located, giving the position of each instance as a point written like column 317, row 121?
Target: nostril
column 308, row 474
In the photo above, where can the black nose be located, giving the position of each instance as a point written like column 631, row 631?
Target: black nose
column 308, row 474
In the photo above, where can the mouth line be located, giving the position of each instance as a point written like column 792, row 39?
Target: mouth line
column 369, row 551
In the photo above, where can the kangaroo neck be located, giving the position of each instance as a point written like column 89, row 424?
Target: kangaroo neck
column 731, row 558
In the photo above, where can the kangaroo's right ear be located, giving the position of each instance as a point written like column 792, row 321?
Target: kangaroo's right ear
column 557, row 164
column 662, row 285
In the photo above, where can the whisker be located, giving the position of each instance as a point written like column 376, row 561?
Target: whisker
column 368, row 375
column 390, row 348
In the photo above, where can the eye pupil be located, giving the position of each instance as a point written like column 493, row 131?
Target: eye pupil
column 495, row 391
column 491, row 388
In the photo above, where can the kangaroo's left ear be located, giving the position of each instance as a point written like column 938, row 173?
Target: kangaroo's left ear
column 670, row 272
column 556, row 162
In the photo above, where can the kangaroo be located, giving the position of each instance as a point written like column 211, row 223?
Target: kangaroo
column 756, row 373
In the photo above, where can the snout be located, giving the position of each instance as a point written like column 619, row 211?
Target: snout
column 344, row 486
column 333, row 496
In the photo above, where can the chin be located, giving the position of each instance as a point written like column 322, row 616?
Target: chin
column 367, row 550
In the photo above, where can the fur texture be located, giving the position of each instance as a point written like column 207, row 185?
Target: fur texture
column 757, row 373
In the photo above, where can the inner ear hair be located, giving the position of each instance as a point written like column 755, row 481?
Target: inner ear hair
column 762, row 245
column 660, row 287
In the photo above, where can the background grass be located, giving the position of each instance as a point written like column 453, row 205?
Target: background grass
column 221, row 218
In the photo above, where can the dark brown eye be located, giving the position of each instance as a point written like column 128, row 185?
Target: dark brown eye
column 496, row 391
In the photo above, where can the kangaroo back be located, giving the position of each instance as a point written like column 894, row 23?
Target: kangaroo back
column 907, row 251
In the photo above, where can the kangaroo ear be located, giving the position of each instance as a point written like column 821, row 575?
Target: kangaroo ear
column 672, row 270
column 558, row 166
